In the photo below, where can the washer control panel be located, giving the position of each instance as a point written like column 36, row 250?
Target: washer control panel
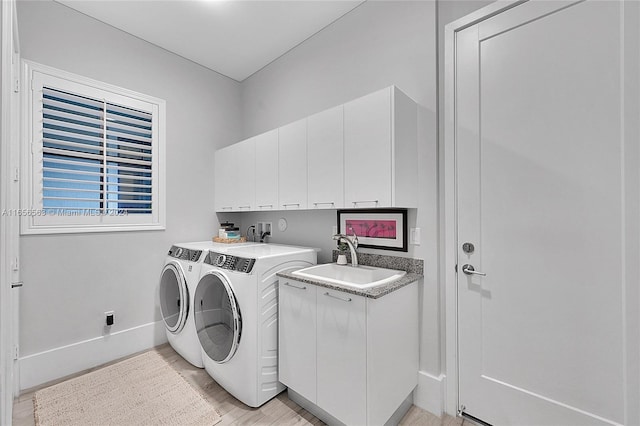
column 231, row 263
column 184, row 253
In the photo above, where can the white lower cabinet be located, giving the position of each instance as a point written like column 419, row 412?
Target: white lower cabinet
column 342, row 354
column 353, row 357
column 297, row 353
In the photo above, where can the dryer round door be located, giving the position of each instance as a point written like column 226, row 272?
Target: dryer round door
column 217, row 316
column 174, row 297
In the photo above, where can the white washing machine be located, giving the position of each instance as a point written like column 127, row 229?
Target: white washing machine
column 178, row 282
column 236, row 317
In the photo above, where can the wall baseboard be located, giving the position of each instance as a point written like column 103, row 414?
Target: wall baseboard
column 56, row 363
column 429, row 395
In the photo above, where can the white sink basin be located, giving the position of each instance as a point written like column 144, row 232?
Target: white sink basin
column 357, row 277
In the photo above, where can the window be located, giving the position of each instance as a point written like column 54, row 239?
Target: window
column 95, row 159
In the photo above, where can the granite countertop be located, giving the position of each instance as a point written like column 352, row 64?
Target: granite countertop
column 413, row 267
column 372, row 292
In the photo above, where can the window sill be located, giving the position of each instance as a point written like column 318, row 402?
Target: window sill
column 89, row 229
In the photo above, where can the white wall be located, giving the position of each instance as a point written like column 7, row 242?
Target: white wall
column 71, row 280
column 378, row 44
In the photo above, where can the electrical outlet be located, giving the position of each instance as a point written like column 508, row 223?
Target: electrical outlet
column 109, row 318
column 263, row 227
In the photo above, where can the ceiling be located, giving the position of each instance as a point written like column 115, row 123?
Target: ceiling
column 233, row 38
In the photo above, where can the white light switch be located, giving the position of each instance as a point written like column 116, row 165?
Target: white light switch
column 415, row 236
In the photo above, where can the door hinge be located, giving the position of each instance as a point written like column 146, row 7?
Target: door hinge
column 16, row 86
column 456, row 268
column 16, row 352
column 16, row 174
column 462, row 413
column 15, row 265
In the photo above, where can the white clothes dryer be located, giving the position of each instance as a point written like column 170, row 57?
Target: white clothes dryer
column 236, row 317
column 177, row 286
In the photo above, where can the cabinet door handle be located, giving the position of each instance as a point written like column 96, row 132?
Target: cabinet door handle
column 244, row 207
column 266, row 205
column 290, row 204
column 328, row 202
column 17, row 284
column 348, row 299
column 227, row 208
column 304, row 287
column 362, row 202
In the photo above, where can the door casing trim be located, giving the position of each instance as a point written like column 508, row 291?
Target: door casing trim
column 451, row 403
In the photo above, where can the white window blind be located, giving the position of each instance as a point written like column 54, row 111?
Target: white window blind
column 95, row 156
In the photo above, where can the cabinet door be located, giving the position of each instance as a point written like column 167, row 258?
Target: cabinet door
column 326, row 159
column 292, row 164
column 267, row 171
column 243, row 177
column 368, row 150
column 297, row 337
column 222, row 173
column 342, row 362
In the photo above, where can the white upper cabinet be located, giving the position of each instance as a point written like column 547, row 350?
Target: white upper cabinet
column 361, row 154
column 222, row 170
column 325, row 159
column 235, row 177
column 292, row 166
column 380, row 150
column 267, row 170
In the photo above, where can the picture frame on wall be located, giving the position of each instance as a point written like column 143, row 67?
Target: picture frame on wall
column 384, row 229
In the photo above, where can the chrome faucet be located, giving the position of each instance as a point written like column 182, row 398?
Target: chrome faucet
column 352, row 243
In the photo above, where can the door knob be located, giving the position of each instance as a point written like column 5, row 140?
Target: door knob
column 470, row 270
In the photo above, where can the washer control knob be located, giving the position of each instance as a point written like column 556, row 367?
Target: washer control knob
column 179, row 252
column 220, row 260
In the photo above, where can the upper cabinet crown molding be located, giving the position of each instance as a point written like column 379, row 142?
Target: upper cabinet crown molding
column 361, row 154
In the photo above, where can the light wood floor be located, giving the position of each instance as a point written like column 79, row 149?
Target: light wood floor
column 279, row 411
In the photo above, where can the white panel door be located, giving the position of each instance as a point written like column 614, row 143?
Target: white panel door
column 542, row 194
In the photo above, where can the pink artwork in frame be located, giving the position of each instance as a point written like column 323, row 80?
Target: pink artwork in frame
column 378, row 228
column 372, row 228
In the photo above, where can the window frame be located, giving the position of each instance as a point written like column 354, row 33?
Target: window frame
column 33, row 217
